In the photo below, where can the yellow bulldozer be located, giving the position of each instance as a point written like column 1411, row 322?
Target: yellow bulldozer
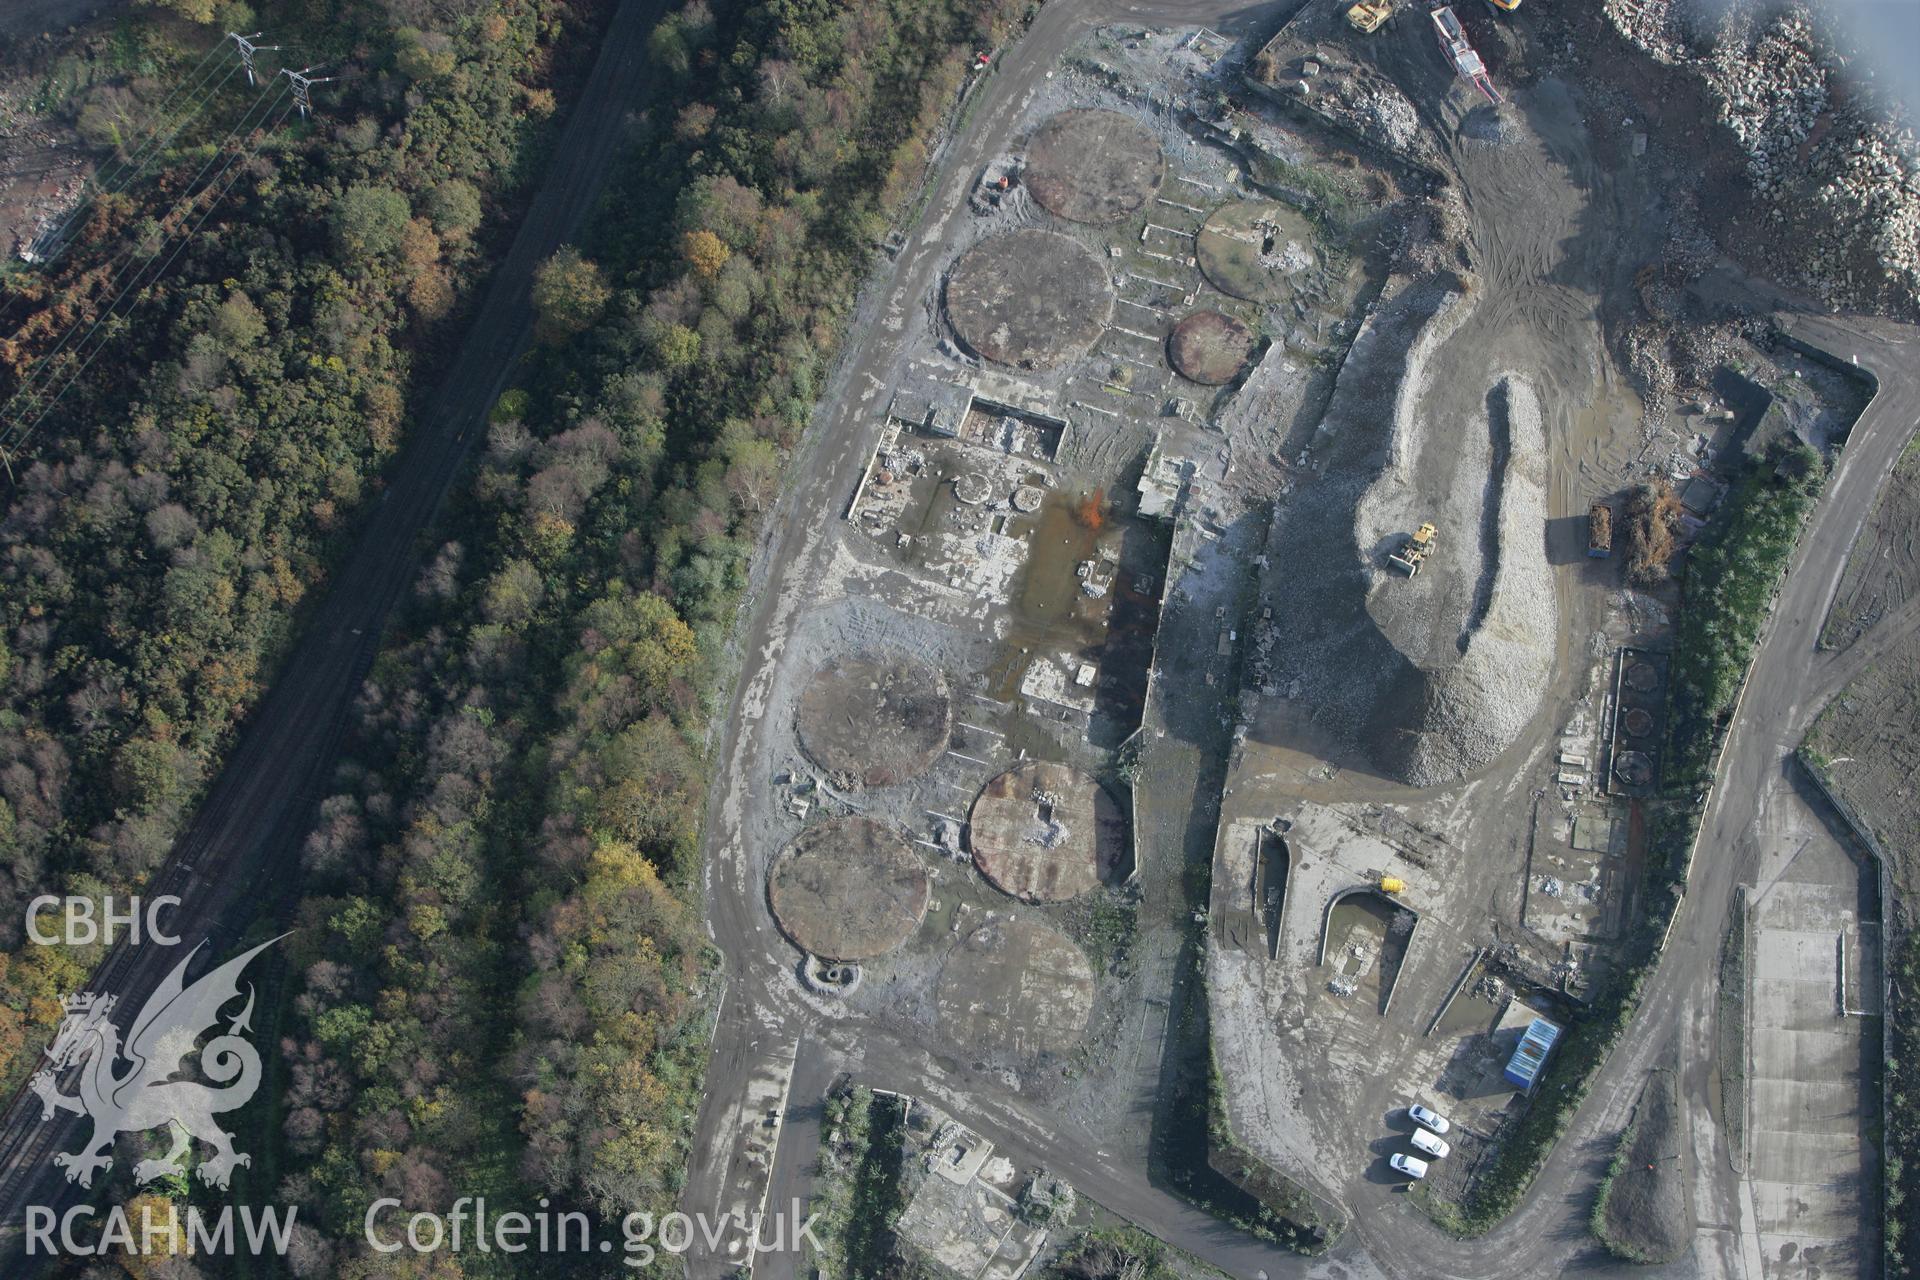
column 1412, row 555
column 1369, row 15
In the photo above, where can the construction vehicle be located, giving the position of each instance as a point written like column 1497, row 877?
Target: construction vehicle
column 1418, row 547
column 1369, row 15
column 1459, row 51
column 1505, row 6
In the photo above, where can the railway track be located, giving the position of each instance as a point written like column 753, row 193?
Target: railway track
column 238, row 861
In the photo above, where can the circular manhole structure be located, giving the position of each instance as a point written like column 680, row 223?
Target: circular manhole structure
column 1028, row 497
column 1639, row 721
column 973, row 488
column 1093, row 166
column 1209, row 348
column 1046, row 832
column 875, row 719
column 848, row 889
column 1028, row 299
column 1018, row 987
column 1643, row 676
column 1634, row 768
column 838, row 978
column 1255, row 249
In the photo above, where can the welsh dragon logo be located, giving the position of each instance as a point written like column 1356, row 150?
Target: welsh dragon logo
column 143, row 1096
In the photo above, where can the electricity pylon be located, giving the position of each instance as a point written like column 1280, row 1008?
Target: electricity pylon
column 303, row 87
column 247, row 49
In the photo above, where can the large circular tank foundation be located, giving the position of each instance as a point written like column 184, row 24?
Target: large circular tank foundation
column 848, row 889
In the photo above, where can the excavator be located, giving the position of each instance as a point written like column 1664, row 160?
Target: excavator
column 1418, row 547
column 1369, row 15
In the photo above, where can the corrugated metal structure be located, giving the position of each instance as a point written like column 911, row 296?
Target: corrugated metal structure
column 1531, row 1053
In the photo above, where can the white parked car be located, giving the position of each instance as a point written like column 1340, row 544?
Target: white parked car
column 1435, row 1147
column 1430, row 1119
column 1412, row 1166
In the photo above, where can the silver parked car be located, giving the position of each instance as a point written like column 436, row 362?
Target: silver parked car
column 1429, row 1119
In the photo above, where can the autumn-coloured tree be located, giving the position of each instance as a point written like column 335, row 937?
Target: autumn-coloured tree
column 705, row 252
column 522, row 813
column 158, row 1226
column 568, row 296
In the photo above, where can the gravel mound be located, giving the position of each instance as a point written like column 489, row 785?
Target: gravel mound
column 1328, row 652
column 1465, row 714
column 1433, row 678
column 1390, row 119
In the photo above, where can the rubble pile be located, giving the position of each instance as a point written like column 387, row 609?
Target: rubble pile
column 1771, row 93
column 1308, row 65
column 1431, row 233
column 1689, row 249
column 1871, row 194
column 1649, row 26
column 1390, row 120
column 1476, row 708
column 1645, row 349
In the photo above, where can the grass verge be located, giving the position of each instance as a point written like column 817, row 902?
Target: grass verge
column 1641, row 1212
column 1733, row 1025
column 1284, row 1210
column 1902, row 1136
column 859, row 1190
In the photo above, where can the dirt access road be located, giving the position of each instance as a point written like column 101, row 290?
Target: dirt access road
column 242, row 849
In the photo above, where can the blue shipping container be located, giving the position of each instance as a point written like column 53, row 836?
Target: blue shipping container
column 1531, row 1053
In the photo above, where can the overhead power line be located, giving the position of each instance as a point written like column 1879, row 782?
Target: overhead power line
column 181, row 107
column 24, row 414
column 123, row 261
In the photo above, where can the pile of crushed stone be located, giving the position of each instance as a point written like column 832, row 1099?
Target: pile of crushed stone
column 1472, row 710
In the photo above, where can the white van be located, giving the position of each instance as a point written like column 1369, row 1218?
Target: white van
column 1435, row 1147
column 1412, row 1166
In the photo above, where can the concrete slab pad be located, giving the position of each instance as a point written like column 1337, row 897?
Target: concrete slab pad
column 1805, row 1211
column 1816, row 1058
column 1824, row 1162
column 1795, row 1005
column 1810, row 1108
column 1793, row 904
column 1796, row 954
column 1016, row 986
column 1810, row 1258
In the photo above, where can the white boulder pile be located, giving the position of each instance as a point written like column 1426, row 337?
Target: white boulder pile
column 1842, row 179
column 1772, row 90
column 1390, row 119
